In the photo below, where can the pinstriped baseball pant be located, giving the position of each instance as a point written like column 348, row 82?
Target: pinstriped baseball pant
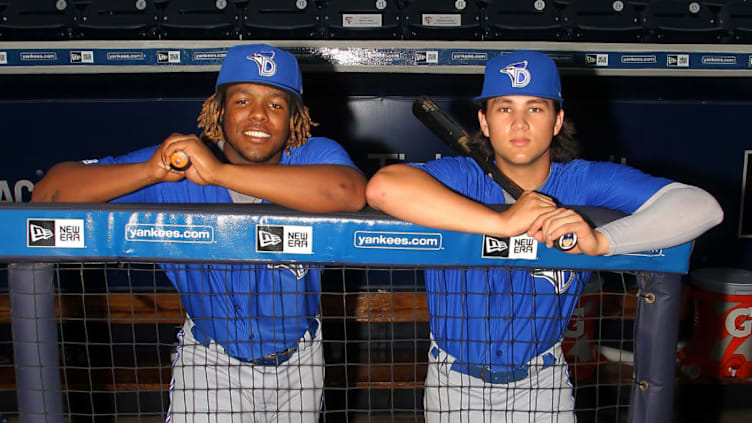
column 544, row 396
column 208, row 385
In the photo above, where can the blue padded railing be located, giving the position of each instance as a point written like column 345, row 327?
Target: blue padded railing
column 45, row 233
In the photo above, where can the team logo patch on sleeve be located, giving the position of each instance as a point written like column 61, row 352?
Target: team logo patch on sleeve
column 520, row 247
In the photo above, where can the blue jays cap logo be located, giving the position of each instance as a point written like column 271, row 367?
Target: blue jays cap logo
column 517, row 73
column 265, row 62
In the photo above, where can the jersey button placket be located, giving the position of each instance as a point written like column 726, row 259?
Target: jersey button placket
column 240, row 322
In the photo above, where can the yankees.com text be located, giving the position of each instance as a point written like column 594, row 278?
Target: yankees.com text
column 400, row 240
column 169, row 233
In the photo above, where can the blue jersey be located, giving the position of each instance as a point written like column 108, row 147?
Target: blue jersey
column 251, row 310
column 501, row 317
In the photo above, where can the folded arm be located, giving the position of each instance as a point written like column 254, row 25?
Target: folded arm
column 413, row 195
column 310, row 188
column 74, row 182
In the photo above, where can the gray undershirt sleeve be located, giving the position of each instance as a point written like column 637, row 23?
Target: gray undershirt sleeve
column 677, row 213
column 240, row 198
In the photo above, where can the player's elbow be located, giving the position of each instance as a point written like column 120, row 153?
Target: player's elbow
column 38, row 196
column 53, row 187
column 353, row 195
column 714, row 212
column 379, row 188
column 43, row 192
column 348, row 193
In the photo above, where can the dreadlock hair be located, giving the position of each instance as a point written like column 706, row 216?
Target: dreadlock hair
column 565, row 147
column 211, row 112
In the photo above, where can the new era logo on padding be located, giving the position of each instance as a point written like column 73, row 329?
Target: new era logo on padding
column 41, row 233
column 517, row 247
column 495, row 247
column 284, row 239
column 269, row 238
column 55, row 233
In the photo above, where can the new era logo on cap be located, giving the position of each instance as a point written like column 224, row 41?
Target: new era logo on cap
column 518, row 73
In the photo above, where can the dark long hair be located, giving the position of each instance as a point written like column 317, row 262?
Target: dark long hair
column 565, row 146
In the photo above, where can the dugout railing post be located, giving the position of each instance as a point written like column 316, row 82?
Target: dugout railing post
column 656, row 334
column 31, row 289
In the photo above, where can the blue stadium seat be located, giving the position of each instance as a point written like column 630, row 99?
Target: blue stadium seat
column 442, row 19
column 523, row 20
column 362, row 19
column 200, row 19
column 684, row 21
column 603, row 21
column 118, row 19
column 36, row 20
column 286, row 19
column 736, row 17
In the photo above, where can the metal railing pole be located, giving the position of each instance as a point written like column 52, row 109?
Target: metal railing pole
column 35, row 342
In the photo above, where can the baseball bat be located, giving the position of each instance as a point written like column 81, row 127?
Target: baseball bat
column 449, row 131
column 180, row 161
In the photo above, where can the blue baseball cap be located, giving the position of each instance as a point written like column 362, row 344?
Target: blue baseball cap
column 521, row 73
column 262, row 64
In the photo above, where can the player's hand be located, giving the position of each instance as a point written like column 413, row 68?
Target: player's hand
column 552, row 225
column 204, row 165
column 159, row 167
column 520, row 216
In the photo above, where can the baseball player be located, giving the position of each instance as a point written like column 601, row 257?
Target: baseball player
column 496, row 333
column 250, row 348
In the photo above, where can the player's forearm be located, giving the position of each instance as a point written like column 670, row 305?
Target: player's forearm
column 310, row 188
column 675, row 214
column 413, row 195
column 73, row 182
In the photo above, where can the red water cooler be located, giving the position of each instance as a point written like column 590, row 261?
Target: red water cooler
column 721, row 345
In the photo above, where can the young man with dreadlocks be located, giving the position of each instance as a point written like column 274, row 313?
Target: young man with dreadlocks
column 496, row 333
column 250, row 347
